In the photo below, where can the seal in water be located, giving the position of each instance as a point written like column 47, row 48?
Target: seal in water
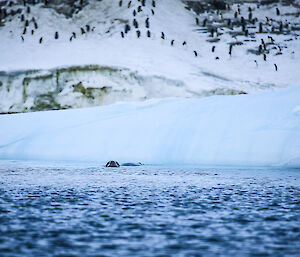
column 132, row 164
column 113, row 164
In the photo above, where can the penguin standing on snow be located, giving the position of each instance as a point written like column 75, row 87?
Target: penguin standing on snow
column 147, row 23
column 127, row 28
column 230, row 50
column 162, row 35
column 195, row 53
column 135, row 23
column 148, row 33
column 56, row 35
column 138, row 33
column 172, row 42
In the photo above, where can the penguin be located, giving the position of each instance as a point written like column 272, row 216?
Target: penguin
column 22, row 17
column 276, row 68
column 172, row 42
column 71, row 38
column 230, row 50
column 134, row 12
column 139, row 8
column 243, row 28
column 74, row 34
column 26, row 23
column 246, row 33
column 213, row 49
column 153, row 3
column 204, row 22
column 138, row 33
column 127, row 28
column 184, row 43
column 217, row 58
column 129, row 4
column 147, row 23
column 197, row 21
column 148, row 33
column 242, row 20
column 32, row 32
column 280, row 27
column 152, row 11
column 195, row 53
column 82, row 31
column 250, row 16
column 28, row 9
column 235, row 15
column 22, row 38
column 249, row 9
column 24, row 31
column 122, row 34
column 120, row 3
column 265, row 57
column 162, row 35
column 277, row 11
column 41, row 40
column 88, row 28
column 56, row 35
column 260, row 49
column 35, row 26
column 143, row 2
column 260, row 27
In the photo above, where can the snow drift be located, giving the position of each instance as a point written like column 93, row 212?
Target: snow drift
column 253, row 130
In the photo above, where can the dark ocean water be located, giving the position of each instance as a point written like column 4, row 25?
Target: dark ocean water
column 69, row 210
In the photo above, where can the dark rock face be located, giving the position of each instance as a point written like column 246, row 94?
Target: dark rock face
column 66, row 7
column 202, row 6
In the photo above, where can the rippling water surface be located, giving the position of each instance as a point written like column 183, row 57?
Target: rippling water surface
column 69, row 210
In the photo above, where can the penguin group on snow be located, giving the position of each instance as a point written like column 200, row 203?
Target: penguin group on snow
column 212, row 23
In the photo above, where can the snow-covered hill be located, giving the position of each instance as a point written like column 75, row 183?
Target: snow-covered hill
column 52, row 61
column 248, row 130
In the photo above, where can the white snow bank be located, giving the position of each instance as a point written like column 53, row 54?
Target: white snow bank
column 250, row 130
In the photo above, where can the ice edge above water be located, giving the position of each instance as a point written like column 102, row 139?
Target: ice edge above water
column 245, row 130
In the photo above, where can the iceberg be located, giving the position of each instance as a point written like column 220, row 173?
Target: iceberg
column 240, row 130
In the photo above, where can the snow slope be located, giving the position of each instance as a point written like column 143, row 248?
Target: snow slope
column 152, row 57
column 253, row 130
